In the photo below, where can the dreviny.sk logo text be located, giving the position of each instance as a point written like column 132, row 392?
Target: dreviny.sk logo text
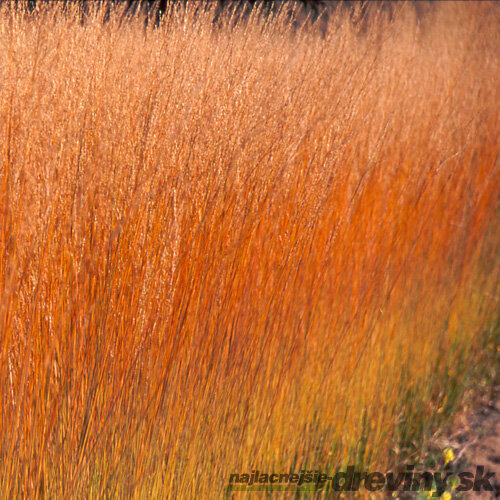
column 350, row 479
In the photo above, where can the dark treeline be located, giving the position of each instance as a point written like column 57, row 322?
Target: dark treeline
column 314, row 10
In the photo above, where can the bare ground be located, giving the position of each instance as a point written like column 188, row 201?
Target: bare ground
column 476, row 440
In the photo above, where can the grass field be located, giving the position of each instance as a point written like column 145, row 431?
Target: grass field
column 241, row 247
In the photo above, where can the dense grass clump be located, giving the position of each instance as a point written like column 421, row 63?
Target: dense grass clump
column 237, row 246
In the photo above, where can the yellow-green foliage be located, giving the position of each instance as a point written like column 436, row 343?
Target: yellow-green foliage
column 235, row 247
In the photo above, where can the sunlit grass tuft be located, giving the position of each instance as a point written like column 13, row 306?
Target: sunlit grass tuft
column 225, row 248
